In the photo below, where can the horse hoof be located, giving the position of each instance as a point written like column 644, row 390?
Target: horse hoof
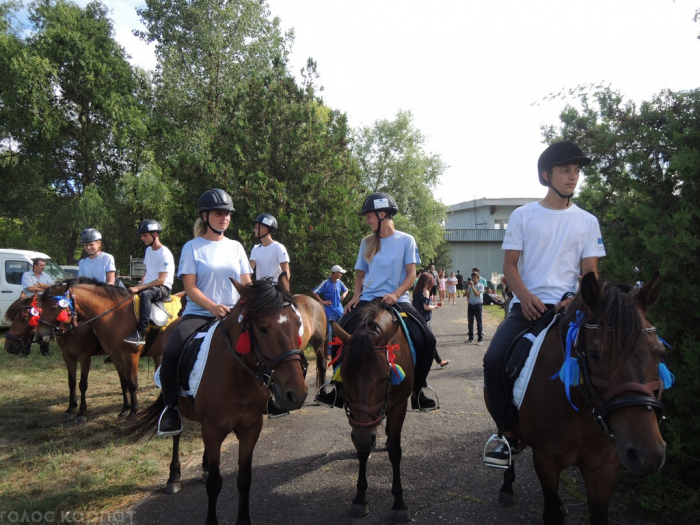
column 122, row 414
column 172, row 488
column 359, row 510
column 505, row 498
column 81, row 419
column 400, row 516
column 67, row 415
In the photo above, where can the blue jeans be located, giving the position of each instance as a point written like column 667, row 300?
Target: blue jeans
column 474, row 312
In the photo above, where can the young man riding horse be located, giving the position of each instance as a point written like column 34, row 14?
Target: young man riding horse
column 207, row 263
column 157, row 281
column 548, row 245
column 386, row 265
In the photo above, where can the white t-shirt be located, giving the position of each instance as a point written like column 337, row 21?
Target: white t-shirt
column 552, row 243
column 268, row 259
column 213, row 262
column 388, row 267
column 157, row 261
column 29, row 279
column 97, row 268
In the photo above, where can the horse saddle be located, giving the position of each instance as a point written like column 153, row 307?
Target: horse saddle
column 522, row 354
column 189, row 358
column 162, row 311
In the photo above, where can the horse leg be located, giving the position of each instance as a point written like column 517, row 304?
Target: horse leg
column 600, row 481
column 548, row 472
column 505, row 493
column 212, row 448
column 399, row 511
column 85, row 362
column 72, row 367
column 173, row 484
column 125, row 399
column 321, row 347
column 205, row 466
column 246, row 445
column 360, row 507
column 131, row 363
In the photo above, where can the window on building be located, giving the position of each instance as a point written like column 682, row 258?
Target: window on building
column 500, row 224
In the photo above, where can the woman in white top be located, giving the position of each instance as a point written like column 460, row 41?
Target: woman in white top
column 206, row 263
column 451, row 288
column 97, row 265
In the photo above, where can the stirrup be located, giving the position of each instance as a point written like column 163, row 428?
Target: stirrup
column 495, row 438
column 274, row 416
column 320, row 390
column 170, row 432
column 437, row 400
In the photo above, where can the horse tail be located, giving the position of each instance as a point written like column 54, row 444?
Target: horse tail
column 147, row 420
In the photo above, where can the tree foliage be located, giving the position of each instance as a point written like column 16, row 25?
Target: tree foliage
column 392, row 159
column 643, row 185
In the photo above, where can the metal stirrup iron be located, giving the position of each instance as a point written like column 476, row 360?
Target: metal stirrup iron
column 495, row 438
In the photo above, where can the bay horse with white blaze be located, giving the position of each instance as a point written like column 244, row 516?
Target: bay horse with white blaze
column 108, row 312
column 313, row 316
column 254, row 350
column 614, row 377
column 376, row 370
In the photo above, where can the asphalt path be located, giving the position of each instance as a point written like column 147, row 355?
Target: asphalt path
column 305, row 465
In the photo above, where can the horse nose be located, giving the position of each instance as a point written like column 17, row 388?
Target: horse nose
column 294, row 400
column 644, row 461
column 364, row 442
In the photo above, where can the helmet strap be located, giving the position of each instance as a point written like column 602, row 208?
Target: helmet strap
column 154, row 240
column 262, row 236
column 210, row 226
column 379, row 223
column 567, row 197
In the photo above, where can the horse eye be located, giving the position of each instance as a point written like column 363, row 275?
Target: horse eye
column 262, row 329
column 595, row 355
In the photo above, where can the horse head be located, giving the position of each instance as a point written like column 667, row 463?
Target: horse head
column 366, row 370
column 269, row 327
column 620, row 355
column 21, row 332
column 55, row 312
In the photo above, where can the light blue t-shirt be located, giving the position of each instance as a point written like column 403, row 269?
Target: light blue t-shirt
column 97, row 268
column 388, row 267
column 29, row 279
column 213, row 262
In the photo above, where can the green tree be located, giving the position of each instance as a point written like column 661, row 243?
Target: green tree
column 643, row 186
column 71, row 122
column 392, row 159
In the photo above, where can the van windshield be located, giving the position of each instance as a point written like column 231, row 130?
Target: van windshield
column 55, row 271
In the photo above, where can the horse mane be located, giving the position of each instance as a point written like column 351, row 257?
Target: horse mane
column 618, row 320
column 267, row 295
column 15, row 308
column 363, row 328
column 110, row 291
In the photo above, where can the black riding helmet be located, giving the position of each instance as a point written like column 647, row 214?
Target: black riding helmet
column 150, row 226
column 379, row 202
column 214, row 199
column 267, row 220
column 90, row 235
column 563, row 152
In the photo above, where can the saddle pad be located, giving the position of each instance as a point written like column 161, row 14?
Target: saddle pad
column 172, row 307
column 520, row 386
column 198, row 368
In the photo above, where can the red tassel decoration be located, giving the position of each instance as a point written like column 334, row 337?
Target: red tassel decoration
column 34, row 321
column 63, row 317
column 243, row 344
column 299, row 342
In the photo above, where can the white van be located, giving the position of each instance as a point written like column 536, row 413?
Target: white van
column 13, row 263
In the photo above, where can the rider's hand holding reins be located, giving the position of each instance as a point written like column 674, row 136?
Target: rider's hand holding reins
column 352, row 304
column 532, row 306
column 561, row 305
column 390, row 298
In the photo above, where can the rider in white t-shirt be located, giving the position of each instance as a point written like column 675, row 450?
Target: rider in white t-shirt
column 548, row 245
column 269, row 258
column 157, row 281
column 97, row 265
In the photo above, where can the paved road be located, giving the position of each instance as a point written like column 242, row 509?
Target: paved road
column 305, row 466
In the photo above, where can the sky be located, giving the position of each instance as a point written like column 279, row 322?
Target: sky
column 475, row 74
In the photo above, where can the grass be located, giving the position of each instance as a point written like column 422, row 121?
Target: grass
column 48, row 464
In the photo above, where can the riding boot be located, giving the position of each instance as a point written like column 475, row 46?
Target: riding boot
column 170, row 422
column 331, row 399
column 419, row 401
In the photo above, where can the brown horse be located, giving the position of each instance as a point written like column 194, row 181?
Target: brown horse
column 616, row 379
column 235, row 386
column 372, row 390
column 315, row 332
column 20, row 335
column 106, row 311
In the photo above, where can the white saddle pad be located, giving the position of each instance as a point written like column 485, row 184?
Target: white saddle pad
column 198, row 368
column 523, row 380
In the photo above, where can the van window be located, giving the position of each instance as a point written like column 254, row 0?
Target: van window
column 55, row 271
column 14, row 271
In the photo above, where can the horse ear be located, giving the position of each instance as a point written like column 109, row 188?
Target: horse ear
column 590, row 291
column 340, row 333
column 283, row 281
column 242, row 289
column 649, row 293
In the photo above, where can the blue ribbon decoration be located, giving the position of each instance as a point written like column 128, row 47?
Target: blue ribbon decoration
column 569, row 372
column 667, row 378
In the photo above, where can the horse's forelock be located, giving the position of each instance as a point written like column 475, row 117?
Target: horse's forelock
column 15, row 308
column 618, row 320
column 265, row 295
column 363, row 329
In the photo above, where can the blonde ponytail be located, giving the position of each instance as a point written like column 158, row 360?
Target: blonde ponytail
column 373, row 243
column 200, row 228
